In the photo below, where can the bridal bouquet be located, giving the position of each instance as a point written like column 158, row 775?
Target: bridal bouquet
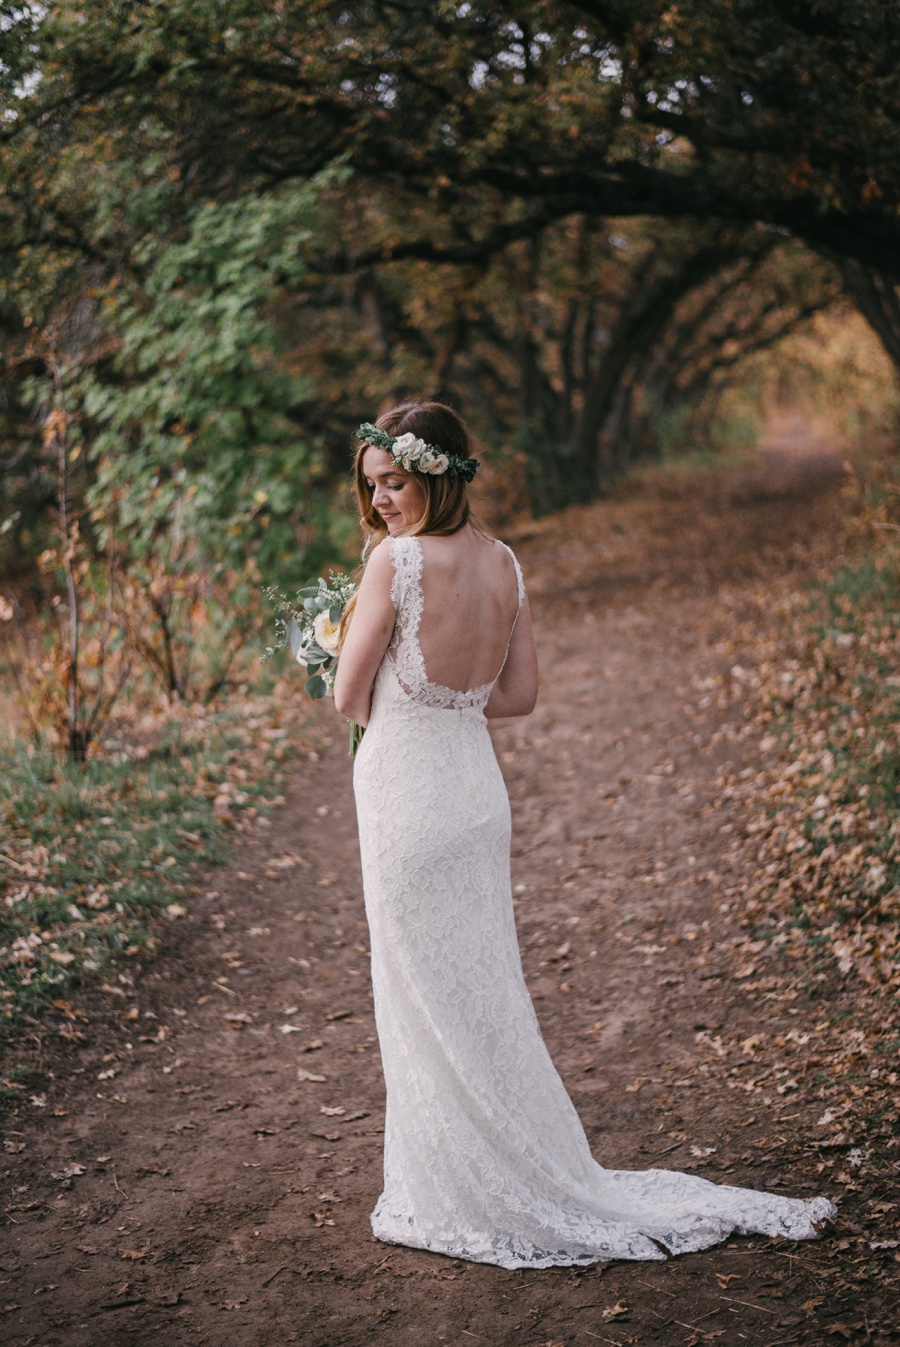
column 310, row 626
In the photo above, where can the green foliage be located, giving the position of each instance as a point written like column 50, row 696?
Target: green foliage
column 263, row 223
column 196, row 421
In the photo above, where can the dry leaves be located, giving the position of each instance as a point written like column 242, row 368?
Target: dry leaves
column 70, row 1172
column 615, row 1312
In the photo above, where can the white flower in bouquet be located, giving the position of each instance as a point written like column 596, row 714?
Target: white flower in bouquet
column 310, row 627
column 327, row 633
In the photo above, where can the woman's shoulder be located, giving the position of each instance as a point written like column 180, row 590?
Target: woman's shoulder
column 380, row 554
column 395, row 564
column 379, row 564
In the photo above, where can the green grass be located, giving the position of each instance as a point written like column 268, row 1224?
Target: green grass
column 93, row 855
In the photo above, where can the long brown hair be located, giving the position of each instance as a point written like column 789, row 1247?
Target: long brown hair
column 446, row 505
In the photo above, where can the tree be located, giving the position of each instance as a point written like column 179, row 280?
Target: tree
column 744, row 111
column 475, row 139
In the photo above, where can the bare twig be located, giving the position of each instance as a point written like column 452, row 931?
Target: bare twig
column 116, row 1183
column 272, row 1275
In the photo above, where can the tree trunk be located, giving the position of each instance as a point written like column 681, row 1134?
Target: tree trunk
column 875, row 295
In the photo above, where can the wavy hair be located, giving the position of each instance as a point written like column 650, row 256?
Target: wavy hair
column 445, row 508
column 446, row 501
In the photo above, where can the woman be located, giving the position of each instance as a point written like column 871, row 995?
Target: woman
column 485, row 1157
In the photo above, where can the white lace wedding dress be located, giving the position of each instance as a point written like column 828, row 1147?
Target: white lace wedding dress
column 485, row 1157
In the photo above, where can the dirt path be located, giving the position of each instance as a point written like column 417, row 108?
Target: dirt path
column 206, row 1174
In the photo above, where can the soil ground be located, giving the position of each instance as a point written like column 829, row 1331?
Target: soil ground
column 204, row 1169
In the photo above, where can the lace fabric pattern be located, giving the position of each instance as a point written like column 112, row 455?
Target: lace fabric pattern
column 485, row 1156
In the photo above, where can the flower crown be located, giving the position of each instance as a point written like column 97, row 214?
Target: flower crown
column 414, row 455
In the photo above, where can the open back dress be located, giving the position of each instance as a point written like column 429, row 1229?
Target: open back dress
column 485, row 1157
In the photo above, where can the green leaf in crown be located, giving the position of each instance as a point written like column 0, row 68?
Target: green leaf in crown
column 414, row 455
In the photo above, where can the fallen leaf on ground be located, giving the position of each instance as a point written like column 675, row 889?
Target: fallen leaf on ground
column 70, row 1172
column 725, row 1278
column 332, row 1112
column 617, row 1311
column 133, row 1254
column 308, row 1075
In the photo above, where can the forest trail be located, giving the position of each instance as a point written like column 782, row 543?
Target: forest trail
column 206, row 1176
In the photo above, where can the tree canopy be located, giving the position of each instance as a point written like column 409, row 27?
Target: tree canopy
column 736, row 109
column 234, row 229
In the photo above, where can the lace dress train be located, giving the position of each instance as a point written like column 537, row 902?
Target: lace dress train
column 485, row 1157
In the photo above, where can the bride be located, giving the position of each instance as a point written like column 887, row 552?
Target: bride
column 484, row 1157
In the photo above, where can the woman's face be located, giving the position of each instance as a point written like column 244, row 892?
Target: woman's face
column 397, row 495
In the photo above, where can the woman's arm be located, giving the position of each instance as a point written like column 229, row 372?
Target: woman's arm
column 367, row 637
column 515, row 691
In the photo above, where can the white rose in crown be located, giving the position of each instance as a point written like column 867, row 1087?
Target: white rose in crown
column 440, row 463
column 327, row 634
column 409, row 447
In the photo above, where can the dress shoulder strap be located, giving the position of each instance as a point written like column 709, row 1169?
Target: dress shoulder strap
column 406, row 586
column 404, row 650
column 519, row 580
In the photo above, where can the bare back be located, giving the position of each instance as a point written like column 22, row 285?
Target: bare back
column 471, row 600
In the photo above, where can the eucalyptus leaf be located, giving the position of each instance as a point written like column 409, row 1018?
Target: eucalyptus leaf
column 294, row 637
column 316, row 687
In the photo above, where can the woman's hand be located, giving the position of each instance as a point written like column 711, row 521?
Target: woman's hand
column 515, row 691
column 367, row 637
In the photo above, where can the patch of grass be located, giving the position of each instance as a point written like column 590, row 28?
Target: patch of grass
column 865, row 582
column 829, row 858
column 97, row 858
